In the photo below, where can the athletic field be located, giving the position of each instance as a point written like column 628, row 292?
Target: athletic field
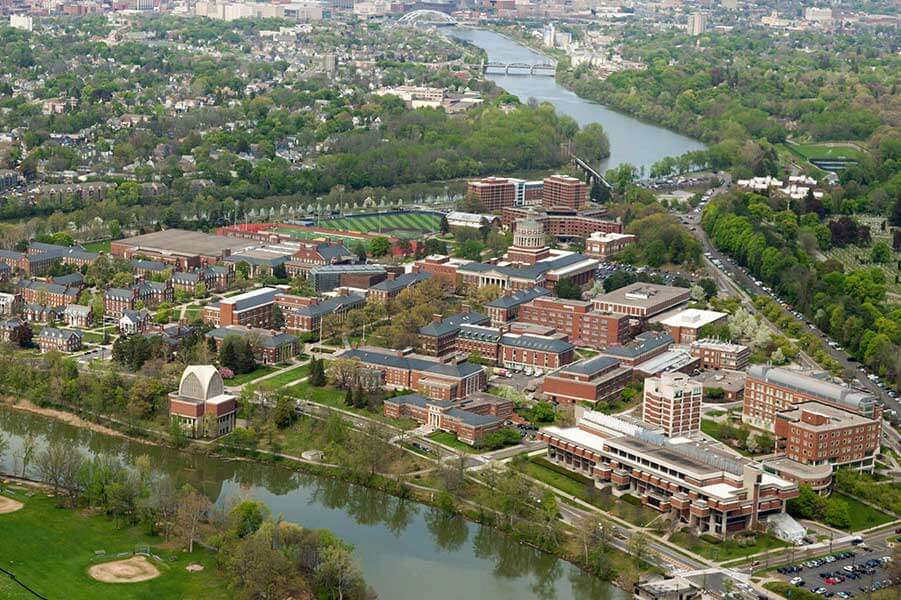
column 404, row 225
column 299, row 234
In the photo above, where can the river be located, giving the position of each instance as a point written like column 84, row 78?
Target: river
column 405, row 551
column 631, row 141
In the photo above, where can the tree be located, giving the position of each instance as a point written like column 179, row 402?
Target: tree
column 698, row 294
column 567, row 288
column 317, row 372
column 444, row 226
column 261, row 569
column 26, row 453
column 4, row 448
column 360, row 251
column 371, row 449
column 192, row 509
column 591, row 143
column 379, row 246
column 881, row 252
column 542, row 412
column 638, row 546
column 337, row 572
column 837, row 514
column 246, row 517
column 285, row 413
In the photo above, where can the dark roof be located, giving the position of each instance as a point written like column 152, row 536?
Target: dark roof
column 61, row 334
column 332, row 252
column 534, row 342
column 149, row 265
column 330, row 305
column 75, row 278
column 318, row 269
column 404, row 281
column 460, row 370
column 452, row 324
column 591, row 366
column 119, row 293
column 418, row 400
column 479, row 333
column 11, row 254
column 517, row 298
column 471, row 418
column 49, row 287
column 643, row 342
column 256, row 260
column 186, row 277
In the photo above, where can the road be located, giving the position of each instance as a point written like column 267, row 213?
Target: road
column 730, row 272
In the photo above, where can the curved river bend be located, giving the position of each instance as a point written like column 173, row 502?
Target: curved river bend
column 405, row 550
column 631, row 141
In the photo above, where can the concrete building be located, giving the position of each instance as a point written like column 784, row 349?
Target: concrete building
column 591, row 380
column 672, row 404
column 685, row 326
column 715, row 354
column 325, row 278
column 201, row 405
column 697, row 24
column 695, row 482
column 642, row 301
column 770, row 390
column 813, row 433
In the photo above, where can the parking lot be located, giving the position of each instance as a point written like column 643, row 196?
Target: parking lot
column 843, row 574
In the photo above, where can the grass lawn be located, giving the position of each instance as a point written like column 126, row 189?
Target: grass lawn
column 330, row 396
column 50, row 549
column 727, row 550
column 385, row 223
column 245, row 377
column 103, row 246
column 192, row 311
column 862, row 515
column 787, row 590
column 90, row 337
column 287, row 376
column 449, row 439
column 827, row 151
column 584, row 489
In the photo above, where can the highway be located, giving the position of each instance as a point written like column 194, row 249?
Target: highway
column 730, row 272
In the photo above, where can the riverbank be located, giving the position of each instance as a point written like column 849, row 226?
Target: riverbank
column 525, row 532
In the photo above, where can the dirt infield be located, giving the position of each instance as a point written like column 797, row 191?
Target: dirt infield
column 8, row 505
column 130, row 570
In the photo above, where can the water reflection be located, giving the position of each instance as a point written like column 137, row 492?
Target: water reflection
column 403, row 547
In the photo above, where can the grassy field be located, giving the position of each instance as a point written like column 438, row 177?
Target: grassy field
column 50, row 549
column 348, row 240
column 584, row 489
column 449, row 439
column 245, row 377
column 727, row 550
column 862, row 515
column 334, row 397
column 287, row 376
column 103, row 246
column 398, row 225
column 827, row 151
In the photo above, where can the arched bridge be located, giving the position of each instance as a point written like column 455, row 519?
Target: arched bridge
column 541, row 69
column 426, row 17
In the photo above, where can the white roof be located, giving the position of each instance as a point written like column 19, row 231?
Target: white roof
column 693, row 317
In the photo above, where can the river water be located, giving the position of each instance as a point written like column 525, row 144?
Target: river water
column 631, row 141
column 405, row 551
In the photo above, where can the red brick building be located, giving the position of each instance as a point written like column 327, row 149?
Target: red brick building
column 685, row 326
column 575, row 318
column 307, row 319
column 813, row 433
column 565, row 224
column 253, row 309
column 439, row 337
column 62, row 340
column 506, row 307
column 644, row 347
column 715, row 354
column 603, row 246
column 493, row 193
column 770, row 390
column 591, row 380
column 47, row 292
column 562, row 191
column 471, row 419
column 434, row 379
column 201, row 405
column 270, row 347
column 519, row 351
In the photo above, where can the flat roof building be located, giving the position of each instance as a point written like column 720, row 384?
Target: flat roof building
column 642, row 300
column 591, row 380
column 181, row 247
column 672, row 404
column 685, row 326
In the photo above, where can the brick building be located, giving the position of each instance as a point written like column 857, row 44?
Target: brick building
column 306, row 319
column 814, row 433
column 388, row 290
column 685, row 326
column 431, row 378
column 471, row 419
column 201, row 405
column 15, row 330
column 134, row 321
column 575, row 318
column 603, row 245
column 672, row 403
column 325, row 278
column 645, row 346
column 78, row 315
column 184, row 249
column 518, row 351
column 214, row 277
column 565, row 224
column 506, row 307
column 253, row 309
column 39, row 313
column 48, row 292
column 62, row 340
column 562, row 191
column 715, row 354
column 439, row 337
column 769, row 390
column 151, row 293
column 480, row 339
column 269, row 347
column 591, row 380
column 493, row 193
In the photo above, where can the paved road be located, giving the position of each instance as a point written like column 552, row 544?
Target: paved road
column 731, row 271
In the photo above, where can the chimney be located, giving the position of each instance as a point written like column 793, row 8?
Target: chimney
column 436, row 318
column 391, row 276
